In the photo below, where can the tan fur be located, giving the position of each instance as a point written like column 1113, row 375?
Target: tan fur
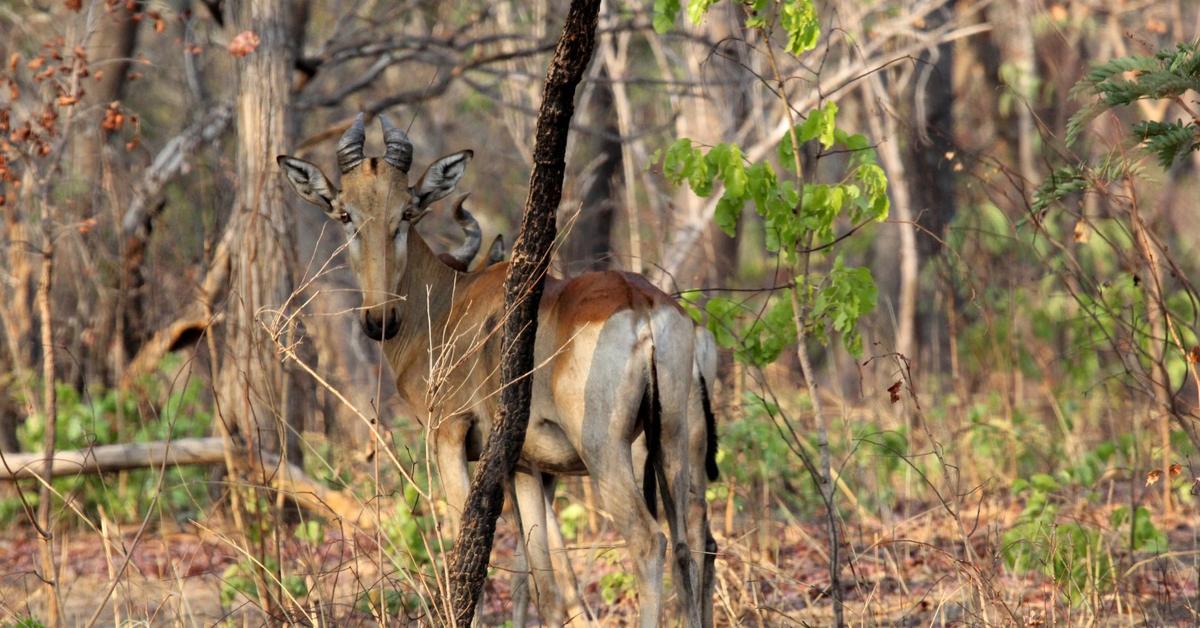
column 601, row 338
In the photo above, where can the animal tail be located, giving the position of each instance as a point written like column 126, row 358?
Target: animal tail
column 651, row 414
column 710, row 428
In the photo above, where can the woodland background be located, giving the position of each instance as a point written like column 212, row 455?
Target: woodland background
column 1014, row 443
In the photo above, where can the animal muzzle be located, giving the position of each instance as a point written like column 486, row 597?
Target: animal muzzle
column 381, row 324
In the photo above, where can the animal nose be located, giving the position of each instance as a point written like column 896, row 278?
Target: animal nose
column 378, row 327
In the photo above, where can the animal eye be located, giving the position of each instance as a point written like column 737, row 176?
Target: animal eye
column 344, row 217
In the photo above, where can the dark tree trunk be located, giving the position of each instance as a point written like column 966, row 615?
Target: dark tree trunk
column 932, row 171
column 591, row 235
column 931, row 177
column 522, row 293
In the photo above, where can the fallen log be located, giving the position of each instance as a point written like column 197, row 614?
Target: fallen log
column 285, row 478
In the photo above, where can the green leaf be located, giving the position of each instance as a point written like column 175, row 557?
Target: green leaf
column 688, row 300
column 697, row 8
column 679, row 161
column 1168, row 141
column 729, row 210
column 874, row 204
column 760, row 182
column 828, row 123
column 733, row 171
column 721, row 314
column 664, row 15
column 757, row 17
column 1044, row 483
column 820, row 125
column 847, row 295
column 799, row 20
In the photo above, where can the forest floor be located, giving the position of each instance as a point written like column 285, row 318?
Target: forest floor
column 913, row 572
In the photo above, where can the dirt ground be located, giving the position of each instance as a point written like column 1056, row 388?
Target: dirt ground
column 910, row 573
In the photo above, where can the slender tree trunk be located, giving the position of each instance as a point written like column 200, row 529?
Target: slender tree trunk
column 523, row 291
column 1023, row 56
column 906, row 275
column 50, row 409
column 16, row 317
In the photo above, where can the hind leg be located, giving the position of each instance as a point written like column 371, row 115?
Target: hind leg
column 647, row 545
column 682, row 497
column 598, row 389
column 699, row 533
column 684, row 505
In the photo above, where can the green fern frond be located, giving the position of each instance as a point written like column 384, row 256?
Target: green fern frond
column 1167, row 140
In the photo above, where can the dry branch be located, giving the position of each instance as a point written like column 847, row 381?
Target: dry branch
column 287, row 478
column 191, row 324
column 172, row 160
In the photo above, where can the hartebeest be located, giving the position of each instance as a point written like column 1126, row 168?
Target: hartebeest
column 617, row 359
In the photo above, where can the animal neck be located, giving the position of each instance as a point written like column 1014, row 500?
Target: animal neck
column 428, row 288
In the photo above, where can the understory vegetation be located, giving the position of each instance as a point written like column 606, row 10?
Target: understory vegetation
column 946, row 249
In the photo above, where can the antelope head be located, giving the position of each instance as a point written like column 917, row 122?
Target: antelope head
column 378, row 208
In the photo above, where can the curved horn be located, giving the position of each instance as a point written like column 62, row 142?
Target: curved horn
column 350, row 147
column 399, row 149
column 496, row 251
column 466, row 251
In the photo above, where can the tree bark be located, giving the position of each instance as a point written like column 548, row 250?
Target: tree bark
column 932, row 148
column 110, row 53
column 906, row 274
column 49, row 573
column 253, row 382
column 590, row 245
column 522, row 293
column 931, row 170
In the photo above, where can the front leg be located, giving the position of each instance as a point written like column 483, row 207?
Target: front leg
column 450, row 449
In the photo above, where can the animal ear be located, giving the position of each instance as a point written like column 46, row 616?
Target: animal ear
column 309, row 182
column 441, row 177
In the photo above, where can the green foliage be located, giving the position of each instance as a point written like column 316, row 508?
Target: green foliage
column 1067, row 181
column 311, row 532
column 792, row 218
column 616, row 585
column 752, row 453
column 664, row 14
column 1072, row 554
column 1144, row 536
column 1119, row 82
column 407, row 529
column 846, row 296
column 797, row 18
column 238, row 578
column 572, row 519
column 106, row 417
column 1168, row 141
column 1075, row 553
